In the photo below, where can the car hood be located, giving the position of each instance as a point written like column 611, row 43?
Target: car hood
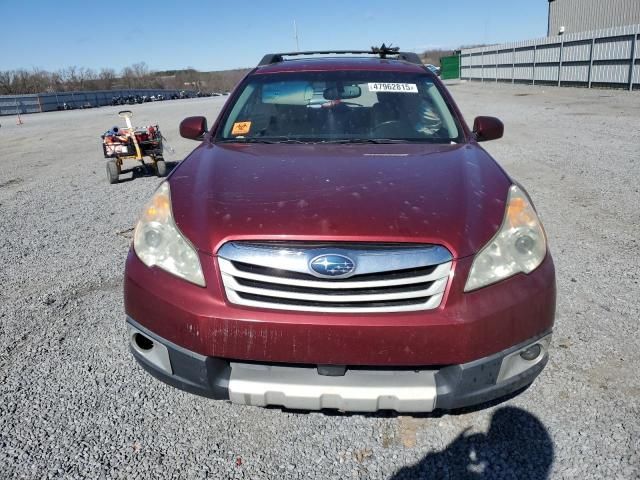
column 453, row 195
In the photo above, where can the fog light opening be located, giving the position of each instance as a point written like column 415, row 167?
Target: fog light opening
column 143, row 343
column 532, row 352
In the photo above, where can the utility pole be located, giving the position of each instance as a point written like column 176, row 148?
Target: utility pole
column 295, row 35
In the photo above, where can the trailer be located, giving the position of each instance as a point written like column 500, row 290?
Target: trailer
column 119, row 144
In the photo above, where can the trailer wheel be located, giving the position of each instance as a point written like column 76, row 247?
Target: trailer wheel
column 161, row 168
column 112, row 171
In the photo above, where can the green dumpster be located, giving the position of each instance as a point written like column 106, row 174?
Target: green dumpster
column 450, row 67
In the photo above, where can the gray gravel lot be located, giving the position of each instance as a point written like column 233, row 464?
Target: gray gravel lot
column 73, row 403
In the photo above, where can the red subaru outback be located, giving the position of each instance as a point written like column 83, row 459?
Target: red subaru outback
column 339, row 239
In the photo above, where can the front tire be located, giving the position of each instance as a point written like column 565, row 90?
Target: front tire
column 161, row 168
column 112, row 172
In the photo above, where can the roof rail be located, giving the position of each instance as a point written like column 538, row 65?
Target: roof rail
column 382, row 52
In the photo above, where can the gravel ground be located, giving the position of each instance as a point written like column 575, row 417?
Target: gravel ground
column 73, row 403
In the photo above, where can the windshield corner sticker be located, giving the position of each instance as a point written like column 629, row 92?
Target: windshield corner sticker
column 393, row 87
column 241, row 128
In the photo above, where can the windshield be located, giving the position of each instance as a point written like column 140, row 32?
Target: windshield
column 344, row 106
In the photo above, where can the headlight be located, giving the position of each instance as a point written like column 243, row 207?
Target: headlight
column 519, row 246
column 157, row 240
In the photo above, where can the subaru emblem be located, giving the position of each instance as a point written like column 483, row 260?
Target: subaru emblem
column 332, row 265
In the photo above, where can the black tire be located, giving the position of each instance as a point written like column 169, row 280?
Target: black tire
column 112, row 172
column 161, row 168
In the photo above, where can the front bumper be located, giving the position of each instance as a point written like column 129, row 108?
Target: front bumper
column 360, row 389
column 465, row 327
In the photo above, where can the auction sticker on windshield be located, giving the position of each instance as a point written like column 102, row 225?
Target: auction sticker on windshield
column 393, row 87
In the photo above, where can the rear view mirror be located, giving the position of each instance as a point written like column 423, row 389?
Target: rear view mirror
column 193, row 128
column 345, row 93
column 487, row 128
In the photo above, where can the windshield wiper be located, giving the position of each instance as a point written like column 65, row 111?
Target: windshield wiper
column 286, row 140
column 366, row 140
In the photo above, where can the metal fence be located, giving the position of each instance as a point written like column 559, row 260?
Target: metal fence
column 46, row 102
column 583, row 15
column 609, row 57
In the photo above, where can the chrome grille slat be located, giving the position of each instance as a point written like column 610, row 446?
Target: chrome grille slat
column 432, row 303
column 274, row 287
column 414, row 287
column 396, row 274
column 437, row 287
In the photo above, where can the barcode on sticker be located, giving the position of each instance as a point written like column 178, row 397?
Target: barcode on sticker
column 393, row 87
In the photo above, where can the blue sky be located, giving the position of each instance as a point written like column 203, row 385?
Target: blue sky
column 231, row 34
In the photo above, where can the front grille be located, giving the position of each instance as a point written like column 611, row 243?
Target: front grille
column 387, row 278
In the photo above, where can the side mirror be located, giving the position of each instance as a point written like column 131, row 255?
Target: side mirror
column 487, row 128
column 193, row 128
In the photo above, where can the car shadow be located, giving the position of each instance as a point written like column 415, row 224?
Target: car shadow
column 142, row 171
column 516, row 446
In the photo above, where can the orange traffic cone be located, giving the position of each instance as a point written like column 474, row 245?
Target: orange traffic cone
column 19, row 120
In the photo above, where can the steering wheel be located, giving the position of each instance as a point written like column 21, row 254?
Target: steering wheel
column 389, row 128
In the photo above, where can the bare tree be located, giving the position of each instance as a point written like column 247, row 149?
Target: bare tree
column 69, row 76
column 38, row 80
column 57, row 82
column 106, row 78
column 140, row 70
column 128, row 77
column 433, row 56
column 6, row 82
column 85, row 77
column 137, row 75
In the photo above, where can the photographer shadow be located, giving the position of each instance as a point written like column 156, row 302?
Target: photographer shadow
column 516, row 446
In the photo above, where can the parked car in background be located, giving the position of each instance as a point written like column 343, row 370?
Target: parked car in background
column 340, row 239
column 433, row 69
